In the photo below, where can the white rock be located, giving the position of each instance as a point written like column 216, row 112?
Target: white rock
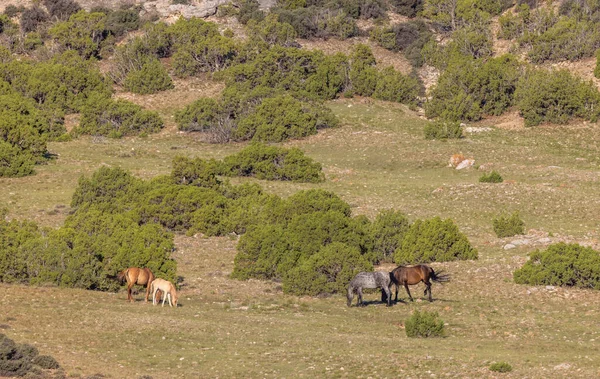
column 509, row 246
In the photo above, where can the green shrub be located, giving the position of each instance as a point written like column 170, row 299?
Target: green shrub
column 393, row 86
column 500, row 367
column 434, row 240
column 206, row 55
column 116, row 118
column 270, row 31
column 122, row 21
column 555, row 96
column 561, row 264
column 326, row 272
column 492, row 177
column 363, row 74
column 388, row 231
column 32, row 17
column 46, row 362
column 150, row 78
column 424, row 324
column 61, row 9
column 443, row 130
column 283, row 117
column 198, row 116
column 197, row 172
column 249, row 10
column 597, row 68
column 508, row 226
column 107, row 189
column 82, row 33
column 469, row 89
column 273, row 163
column 408, row 8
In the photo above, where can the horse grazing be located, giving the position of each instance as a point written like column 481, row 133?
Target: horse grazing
column 409, row 275
column 135, row 275
column 168, row 290
column 377, row 279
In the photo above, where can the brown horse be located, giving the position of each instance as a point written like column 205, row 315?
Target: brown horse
column 409, row 275
column 135, row 275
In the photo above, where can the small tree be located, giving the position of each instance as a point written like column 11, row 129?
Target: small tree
column 388, row 231
column 150, row 78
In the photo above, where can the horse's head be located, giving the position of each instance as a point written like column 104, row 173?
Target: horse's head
column 121, row 276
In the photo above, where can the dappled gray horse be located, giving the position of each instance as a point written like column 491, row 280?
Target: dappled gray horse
column 377, row 279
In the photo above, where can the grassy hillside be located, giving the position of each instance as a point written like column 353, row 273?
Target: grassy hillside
column 378, row 159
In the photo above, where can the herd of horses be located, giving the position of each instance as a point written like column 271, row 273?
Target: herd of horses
column 401, row 275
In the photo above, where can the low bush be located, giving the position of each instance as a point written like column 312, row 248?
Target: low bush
column 443, row 130
column 508, row 226
column 394, row 86
column 408, row 8
column 562, row 264
column 388, row 231
column 22, row 359
column 492, row 177
column 434, row 240
column 500, row 367
column 326, row 272
column 198, row 116
column 116, row 118
column 82, row 32
column 32, row 17
column 150, row 78
column 273, row 163
column 555, row 96
column 61, row 9
column 46, row 362
column 424, row 324
column 283, row 117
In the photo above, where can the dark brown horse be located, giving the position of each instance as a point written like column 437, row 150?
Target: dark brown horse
column 409, row 275
column 135, row 275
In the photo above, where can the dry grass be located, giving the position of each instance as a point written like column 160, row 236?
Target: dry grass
column 378, row 159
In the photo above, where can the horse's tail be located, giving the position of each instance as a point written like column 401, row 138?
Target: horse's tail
column 122, row 276
column 440, row 276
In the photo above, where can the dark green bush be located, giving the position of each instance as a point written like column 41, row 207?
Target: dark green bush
column 388, row 231
column 32, row 17
column 12, row 10
column 61, row 9
column 327, row 271
column 500, row 367
column 363, row 74
column 208, row 54
column 116, row 118
column 562, row 264
column 107, row 189
column 249, row 10
column 597, row 68
column 82, row 33
column 150, row 78
column 270, row 31
column 46, row 362
column 508, row 226
column 434, row 240
column 197, row 172
column 199, row 116
column 469, row 89
column 443, row 130
column 320, row 22
column 394, row 86
column 122, row 21
column 424, row 324
column 273, row 163
column 492, row 177
column 555, row 96
column 408, row 8
column 408, row 37
column 283, row 117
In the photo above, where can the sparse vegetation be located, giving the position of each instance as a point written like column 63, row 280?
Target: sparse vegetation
column 508, row 226
column 443, row 130
column 500, row 367
column 491, row 177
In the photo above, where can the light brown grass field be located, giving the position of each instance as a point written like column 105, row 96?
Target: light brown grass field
column 376, row 160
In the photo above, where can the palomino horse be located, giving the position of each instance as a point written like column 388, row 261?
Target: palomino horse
column 377, row 279
column 168, row 290
column 409, row 275
column 135, row 275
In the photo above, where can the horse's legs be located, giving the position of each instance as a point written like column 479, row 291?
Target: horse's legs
column 408, row 292
column 397, row 287
column 359, row 302
column 154, row 300
column 129, row 297
column 389, row 295
column 148, row 290
column 428, row 289
column 164, row 297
